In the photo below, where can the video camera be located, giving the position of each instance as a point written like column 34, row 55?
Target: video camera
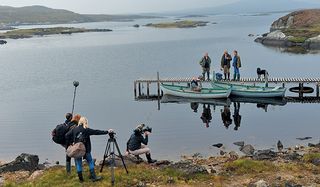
column 141, row 129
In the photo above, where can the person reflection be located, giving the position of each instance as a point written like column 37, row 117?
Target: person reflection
column 206, row 115
column 236, row 115
column 194, row 106
column 226, row 116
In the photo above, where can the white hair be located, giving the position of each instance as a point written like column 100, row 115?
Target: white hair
column 84, row 122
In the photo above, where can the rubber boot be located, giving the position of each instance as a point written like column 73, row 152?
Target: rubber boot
column 228, row 76
column 68, row 167
column 150, row 161
column 203, row 76
column 234, row 76
column 93, row 176
column 238, row 77
column 80, row 176
column 225, row 76
column 208, row 74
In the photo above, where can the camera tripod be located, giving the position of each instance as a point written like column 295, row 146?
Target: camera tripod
column 110, row 153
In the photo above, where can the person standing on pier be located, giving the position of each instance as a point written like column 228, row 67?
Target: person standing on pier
column 205, row 63
column 236, row 63
column 225, row 64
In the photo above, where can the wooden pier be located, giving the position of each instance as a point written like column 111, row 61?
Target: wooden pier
column 139, row 84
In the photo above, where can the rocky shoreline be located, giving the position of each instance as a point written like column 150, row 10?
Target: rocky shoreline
column 178, row 24
column 294, row 166
column 297, row 30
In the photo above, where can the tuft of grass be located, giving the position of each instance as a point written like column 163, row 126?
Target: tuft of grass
column 246, row 166
column 311, row 156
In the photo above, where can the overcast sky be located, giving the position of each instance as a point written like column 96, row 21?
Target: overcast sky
column 125, row 6
column 118, row 6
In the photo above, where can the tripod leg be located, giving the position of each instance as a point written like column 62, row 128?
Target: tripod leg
column 112, row 165
column 120, row 155
column 105, row 155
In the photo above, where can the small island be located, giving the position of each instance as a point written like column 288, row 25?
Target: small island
column 178, row 24
column 299, row 30
column 28, row 33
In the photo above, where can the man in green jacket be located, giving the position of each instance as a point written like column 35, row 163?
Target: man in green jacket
column 205, row 63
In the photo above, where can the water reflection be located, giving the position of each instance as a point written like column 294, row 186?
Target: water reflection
column 229, row 108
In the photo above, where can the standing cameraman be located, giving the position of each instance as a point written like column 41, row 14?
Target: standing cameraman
column 137, row 144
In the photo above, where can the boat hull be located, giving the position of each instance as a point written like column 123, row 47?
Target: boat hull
column 253, row 91
column 205, row 93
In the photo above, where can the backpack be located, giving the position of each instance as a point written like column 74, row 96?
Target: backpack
column 58, row 133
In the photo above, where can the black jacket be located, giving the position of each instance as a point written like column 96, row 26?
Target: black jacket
column 134, row 143
column 71, row 136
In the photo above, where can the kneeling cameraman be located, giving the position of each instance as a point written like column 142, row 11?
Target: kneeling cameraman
column 137, row 144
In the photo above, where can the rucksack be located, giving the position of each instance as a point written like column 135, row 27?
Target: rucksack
column 58, row 133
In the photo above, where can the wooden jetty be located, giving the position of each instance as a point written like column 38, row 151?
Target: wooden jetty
column 139, row 84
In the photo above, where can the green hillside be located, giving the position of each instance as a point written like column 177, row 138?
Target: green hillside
column 43, row 15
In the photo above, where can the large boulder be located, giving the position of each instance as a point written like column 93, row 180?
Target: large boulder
column 24, row 162
column 264, row 155
column 188, row 168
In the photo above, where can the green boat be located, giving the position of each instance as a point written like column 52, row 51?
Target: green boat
column 204, row 93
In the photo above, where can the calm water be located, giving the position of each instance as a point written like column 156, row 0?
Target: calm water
column 37, row 75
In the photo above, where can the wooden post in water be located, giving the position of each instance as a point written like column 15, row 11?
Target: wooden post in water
column 317, row 89
column 135, row 89
column 148, row 90
column 283, row 85
column 139, row 87
column 300, row 90
column 158, row 85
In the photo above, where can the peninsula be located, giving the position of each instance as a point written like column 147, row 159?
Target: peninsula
column 28, row 33
column 299, row 29
column 178, row 24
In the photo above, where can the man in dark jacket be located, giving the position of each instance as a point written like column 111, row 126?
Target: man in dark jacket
column 205, row 63
column 137, row 144
column 225, row 64
column 82, row 133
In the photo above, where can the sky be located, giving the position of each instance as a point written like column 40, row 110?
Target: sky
column 118, row 6
column 127, row 6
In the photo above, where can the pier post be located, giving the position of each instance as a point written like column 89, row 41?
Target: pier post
column 283, row 85
column 135, row 89
column 148, row 90
column 139, row 88
column 158, row 85
column 317, row 90
column 300, row 90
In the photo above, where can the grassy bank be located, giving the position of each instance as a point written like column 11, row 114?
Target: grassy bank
column 224, row 172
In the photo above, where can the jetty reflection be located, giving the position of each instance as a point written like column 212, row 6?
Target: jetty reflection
column 229, row 108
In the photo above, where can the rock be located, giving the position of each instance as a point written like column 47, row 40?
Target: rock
column 141, row 184
column 26, row 162
column 128, row 160
column 136, row 25
column 316, row 161
column 35, row 175
column 57, row 162
column 261, row 183
column 289, row 184
column 251, row 35
column 170, row 180
column 3, row 42
column 1, row 181
column 222, row 153
column 276, row 35
column 292, row 156
column 248, row 150
column 264, row 155
column 233, row 155
column 188, row 168
column 241, row 143
column 218, row 145
column 162, row 163
column 304, row 138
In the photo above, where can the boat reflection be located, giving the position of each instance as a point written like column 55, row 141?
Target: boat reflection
column 225, row 106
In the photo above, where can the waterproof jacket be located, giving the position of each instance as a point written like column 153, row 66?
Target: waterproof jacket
column 236, row 61
column 73, row 136
column 225, row 61
column 205, row 62
column 135, row 141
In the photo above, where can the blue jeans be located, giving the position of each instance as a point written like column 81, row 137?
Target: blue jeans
column 89, row 160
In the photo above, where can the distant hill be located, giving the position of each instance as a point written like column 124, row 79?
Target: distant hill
column 44, row 15
column 256, row 6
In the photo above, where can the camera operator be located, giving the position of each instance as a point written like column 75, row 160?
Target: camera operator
column 137, row 144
